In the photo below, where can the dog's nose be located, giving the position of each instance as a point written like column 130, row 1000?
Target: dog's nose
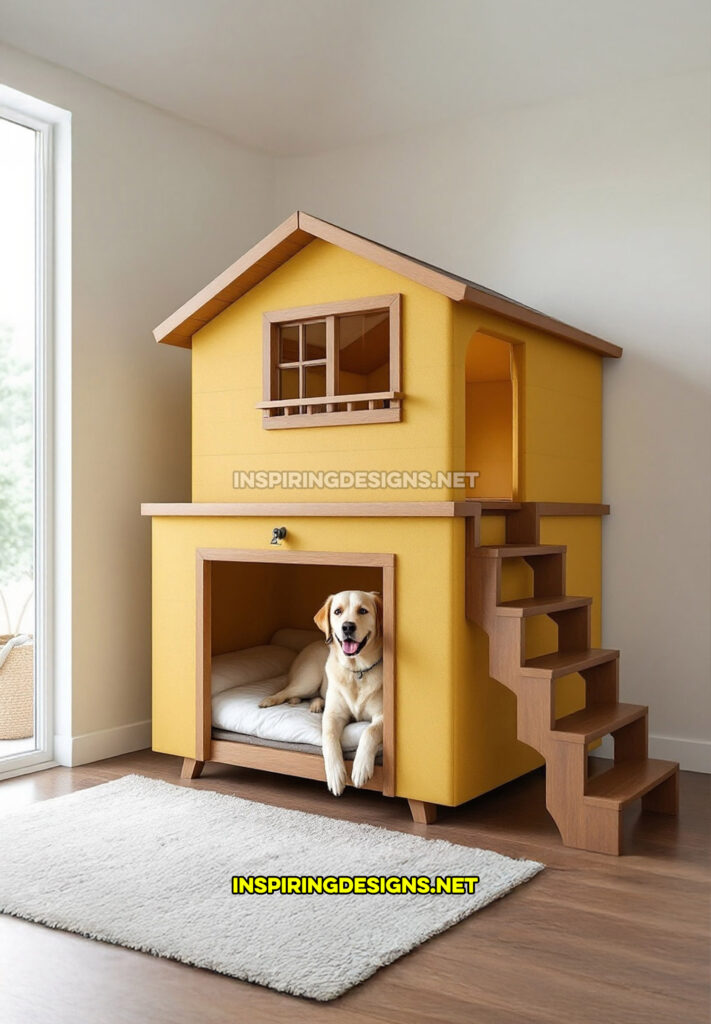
column 348, row 628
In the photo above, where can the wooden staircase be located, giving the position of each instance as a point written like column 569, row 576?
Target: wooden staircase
column 587, row 809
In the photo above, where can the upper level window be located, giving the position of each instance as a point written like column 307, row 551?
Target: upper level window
column 331, row 364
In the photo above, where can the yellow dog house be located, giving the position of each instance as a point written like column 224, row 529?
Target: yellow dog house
column 346, row 396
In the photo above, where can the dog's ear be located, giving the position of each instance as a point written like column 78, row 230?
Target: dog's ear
column 378, row 602
column 322, row 618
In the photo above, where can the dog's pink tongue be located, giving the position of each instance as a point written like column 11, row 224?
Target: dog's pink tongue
column 350, row 646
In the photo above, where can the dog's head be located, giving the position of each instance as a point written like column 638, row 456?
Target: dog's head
column 354, row 619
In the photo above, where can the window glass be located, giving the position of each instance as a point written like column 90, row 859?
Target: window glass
column 289, row 344
column 314, row 381
column 18, row 288
column 315, row 340
column 364, row 353
column 289, row 383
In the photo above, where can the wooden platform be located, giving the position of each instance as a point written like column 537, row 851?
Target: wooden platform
column 469, row 508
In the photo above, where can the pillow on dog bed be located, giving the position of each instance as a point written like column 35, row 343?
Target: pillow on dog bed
column 296, row 639
column 253, row 664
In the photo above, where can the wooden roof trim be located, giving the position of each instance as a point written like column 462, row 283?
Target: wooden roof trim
column 421, row 273
column 499, row 304
column 301, row 228
column 257, row 263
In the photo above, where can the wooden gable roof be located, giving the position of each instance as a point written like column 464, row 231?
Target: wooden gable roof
column 301, row 228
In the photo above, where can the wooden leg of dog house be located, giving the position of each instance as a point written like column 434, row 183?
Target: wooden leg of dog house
column 422, row 812
column 191, row 768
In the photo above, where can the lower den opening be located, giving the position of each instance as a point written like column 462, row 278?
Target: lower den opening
column 262, row 615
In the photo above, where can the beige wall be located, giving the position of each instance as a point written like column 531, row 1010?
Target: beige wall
column 595, row 210
column 159, row 207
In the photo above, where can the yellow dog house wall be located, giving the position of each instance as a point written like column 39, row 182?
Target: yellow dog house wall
column 326, row 353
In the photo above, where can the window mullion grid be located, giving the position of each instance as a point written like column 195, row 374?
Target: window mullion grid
column 331, row 360
column 302, row 369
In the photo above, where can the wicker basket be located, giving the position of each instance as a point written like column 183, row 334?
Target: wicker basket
column 17, row 686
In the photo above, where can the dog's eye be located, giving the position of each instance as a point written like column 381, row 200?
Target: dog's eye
column 362, row 611
column 338, row 611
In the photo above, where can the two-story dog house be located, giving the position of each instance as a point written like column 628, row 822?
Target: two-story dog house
column 320, row 352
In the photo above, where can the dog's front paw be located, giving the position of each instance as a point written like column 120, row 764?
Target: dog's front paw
column 317, row 705
column 362, row 769
column 269, row 702
column 336, row 776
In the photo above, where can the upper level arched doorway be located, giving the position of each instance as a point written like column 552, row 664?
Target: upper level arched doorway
column 492, row 418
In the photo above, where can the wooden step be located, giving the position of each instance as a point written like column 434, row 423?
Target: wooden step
column 541, row 605
column 517, row 550
column 564, row 663
column 595, row 721
column 627, row 781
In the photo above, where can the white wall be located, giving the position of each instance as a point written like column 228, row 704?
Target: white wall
column 159, row 207
column 595, row 210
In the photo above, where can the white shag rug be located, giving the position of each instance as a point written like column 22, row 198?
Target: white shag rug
column 147, row 865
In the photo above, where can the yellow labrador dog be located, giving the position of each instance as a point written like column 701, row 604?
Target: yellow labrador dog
column 345, row 682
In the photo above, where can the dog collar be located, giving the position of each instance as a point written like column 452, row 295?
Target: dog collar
column 360, row 672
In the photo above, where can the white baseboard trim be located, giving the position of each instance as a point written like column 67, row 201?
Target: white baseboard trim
column 692, row 755
column 71, row 751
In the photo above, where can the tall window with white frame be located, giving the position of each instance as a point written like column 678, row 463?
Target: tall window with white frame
column 27, row 319
column 18, row 242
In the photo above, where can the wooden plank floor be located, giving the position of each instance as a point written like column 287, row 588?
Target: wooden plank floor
column 593, row 938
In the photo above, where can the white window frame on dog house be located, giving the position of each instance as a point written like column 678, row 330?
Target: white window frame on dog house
column 273, row 759
column 334, row 407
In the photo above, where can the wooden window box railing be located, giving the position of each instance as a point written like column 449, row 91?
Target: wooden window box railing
column 363, row 408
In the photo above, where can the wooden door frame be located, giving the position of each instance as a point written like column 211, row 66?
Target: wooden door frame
column 274, row 759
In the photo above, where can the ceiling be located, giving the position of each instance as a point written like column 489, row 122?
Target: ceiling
column 291, row 77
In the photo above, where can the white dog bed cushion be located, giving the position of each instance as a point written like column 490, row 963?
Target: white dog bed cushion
column 237, row 710
column 241, row 679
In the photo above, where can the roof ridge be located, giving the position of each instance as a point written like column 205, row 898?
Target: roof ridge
column 301, row 228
